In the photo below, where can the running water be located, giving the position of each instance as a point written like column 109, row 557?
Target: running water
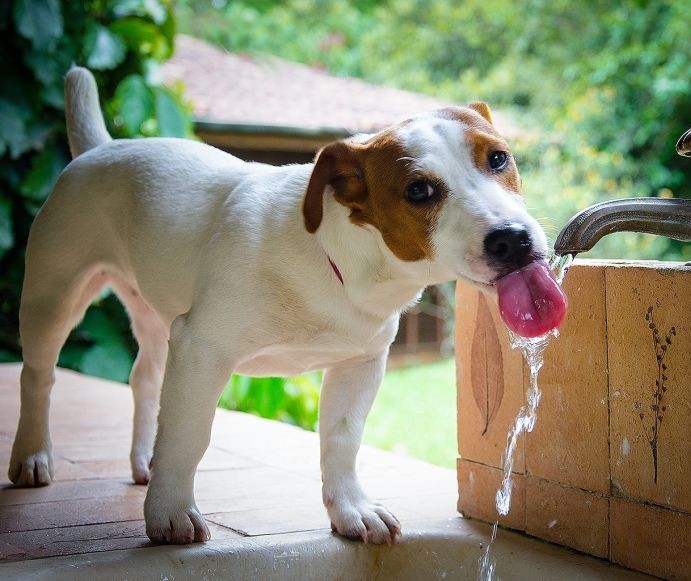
column 533, row 350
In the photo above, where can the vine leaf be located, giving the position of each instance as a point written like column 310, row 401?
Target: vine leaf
column 487, row 365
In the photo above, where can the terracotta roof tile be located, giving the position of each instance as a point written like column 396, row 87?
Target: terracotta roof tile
column 229, row 88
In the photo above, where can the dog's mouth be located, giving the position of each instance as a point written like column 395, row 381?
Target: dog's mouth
column 531, row 302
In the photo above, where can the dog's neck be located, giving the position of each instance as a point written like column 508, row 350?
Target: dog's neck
column 373, row 277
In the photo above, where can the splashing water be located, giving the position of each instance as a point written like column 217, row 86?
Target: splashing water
column 487, row 564
column 560, row 264
column 533, row 350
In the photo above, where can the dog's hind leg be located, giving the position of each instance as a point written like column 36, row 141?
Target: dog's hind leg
column 146, row 377
column 53, row 302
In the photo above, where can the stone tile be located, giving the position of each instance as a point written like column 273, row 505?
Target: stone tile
column 489, row 379
column 477, row 489
column 231, row 490
column 442, row 506
column 57, row 491
column 650, row 539
column 569, row 442
column 638, row 358
column 97, row 452
column 298, row 459
column 265, row 521
column 118, row 469
column 567, row 516
column 249, row 435
column 217, row 459
column 10, row 552
column 65, row 470
column 409, row 483
column 75, row 540
column 48, row 515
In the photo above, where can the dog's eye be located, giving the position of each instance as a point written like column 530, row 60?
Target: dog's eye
column 497, row 160
column 420, row 191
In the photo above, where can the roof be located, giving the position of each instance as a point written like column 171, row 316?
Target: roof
column 254, row 95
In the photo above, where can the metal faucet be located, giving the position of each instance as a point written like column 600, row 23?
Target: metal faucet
column 662, row 216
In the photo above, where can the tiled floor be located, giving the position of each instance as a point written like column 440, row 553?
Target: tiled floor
column 259, row 488
column 258, row 478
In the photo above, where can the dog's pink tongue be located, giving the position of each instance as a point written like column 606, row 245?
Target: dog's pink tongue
column 531, row 302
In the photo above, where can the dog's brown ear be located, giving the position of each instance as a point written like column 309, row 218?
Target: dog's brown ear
column 482, row 109
column 338, row 166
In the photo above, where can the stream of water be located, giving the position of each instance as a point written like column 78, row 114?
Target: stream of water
column 533, row 353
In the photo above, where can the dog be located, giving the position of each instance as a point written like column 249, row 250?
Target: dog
column 230, row 266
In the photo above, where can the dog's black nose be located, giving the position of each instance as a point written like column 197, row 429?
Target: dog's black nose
column 509, row 246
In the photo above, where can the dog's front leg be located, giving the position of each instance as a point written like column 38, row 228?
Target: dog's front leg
column 346, row 398
column 197, row 369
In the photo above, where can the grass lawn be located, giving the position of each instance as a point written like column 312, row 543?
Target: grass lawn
column 415, row 413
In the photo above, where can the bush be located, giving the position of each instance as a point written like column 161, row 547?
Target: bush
column 606, row 89
column 293, row 400
column 123, row 43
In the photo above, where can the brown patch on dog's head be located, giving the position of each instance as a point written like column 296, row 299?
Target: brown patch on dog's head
column 484, row 139
column 371, row 180
column 482, row 109
column 337, row 165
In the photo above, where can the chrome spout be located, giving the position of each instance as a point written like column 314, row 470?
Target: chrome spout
column 684, row 144
column 668, row 217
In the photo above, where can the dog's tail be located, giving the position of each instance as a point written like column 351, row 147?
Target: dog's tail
column 85, row 126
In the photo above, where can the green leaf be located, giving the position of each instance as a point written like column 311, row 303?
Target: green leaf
column 136, row 102
column 172, row 120
column 71, row 356
column 153, row 9
column 6, row 231
column 106, row 50
column 13, row 135
column 39, row 21
column 144, row 38
column 49, row 68
column 9, row 356
column 110, row 360
column 97, row 326
column 45, row 169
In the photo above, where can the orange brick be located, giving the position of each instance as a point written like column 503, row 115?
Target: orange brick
column 569, row 443
column 567, row 516
column 640, row 300
column 489, row 379
column 477, row 489
column 650, row 539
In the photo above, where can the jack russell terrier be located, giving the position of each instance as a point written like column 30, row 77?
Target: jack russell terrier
column 227, row 266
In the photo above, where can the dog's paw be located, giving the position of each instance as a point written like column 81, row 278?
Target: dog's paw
column 362, row 519
column 31, row 468
column 141, row 468
column 174, row 522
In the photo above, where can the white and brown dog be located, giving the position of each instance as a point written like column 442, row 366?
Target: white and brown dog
column 226, row 266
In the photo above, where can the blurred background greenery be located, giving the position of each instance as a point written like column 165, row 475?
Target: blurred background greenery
column 601, row 93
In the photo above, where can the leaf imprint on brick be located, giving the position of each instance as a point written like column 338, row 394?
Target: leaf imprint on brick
column 487, row 366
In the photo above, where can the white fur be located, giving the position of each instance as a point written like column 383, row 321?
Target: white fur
column 218, row 273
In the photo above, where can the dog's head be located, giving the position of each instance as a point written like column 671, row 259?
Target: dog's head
column 442, row 187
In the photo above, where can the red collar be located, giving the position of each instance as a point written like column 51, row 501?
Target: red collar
column 335, row 269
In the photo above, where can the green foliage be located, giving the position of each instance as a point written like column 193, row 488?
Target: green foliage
column 415, row 413
column 293, row 400
column 601, row 93
column 323, row 33
column 123, row 42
